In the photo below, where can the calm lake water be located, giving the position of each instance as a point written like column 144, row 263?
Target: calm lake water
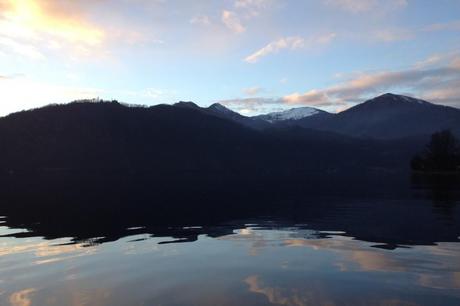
column 330, row 252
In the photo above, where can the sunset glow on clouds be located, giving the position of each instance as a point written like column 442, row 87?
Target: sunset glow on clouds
column 330, row 53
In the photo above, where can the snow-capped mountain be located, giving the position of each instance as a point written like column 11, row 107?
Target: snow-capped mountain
column 392, row 116
column 290, row 114
column 387, row 116
column 403, row 98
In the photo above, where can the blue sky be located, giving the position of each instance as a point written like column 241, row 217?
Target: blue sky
column 254, row 56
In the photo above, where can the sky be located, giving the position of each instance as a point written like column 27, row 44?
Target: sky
column 254, row 56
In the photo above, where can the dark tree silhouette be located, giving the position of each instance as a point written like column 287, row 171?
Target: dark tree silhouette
column 442, row 153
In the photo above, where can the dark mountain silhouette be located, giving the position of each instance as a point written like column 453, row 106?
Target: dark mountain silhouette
column 389, row 116
column 221, row 111
column 187, row 104
column 108, row 136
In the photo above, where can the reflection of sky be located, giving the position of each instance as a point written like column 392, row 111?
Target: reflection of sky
column 253, row 266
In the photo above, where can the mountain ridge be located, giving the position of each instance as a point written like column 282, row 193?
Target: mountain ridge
column 388, row 116
column 108, row 136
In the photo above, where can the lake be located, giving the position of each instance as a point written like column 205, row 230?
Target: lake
column 395, row 250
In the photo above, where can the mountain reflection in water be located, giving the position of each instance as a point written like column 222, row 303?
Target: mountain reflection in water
column 320, row 250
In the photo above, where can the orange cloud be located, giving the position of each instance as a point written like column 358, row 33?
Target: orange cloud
column 290, row 43
column 232, row 21
column 46, row 24
column 50, row 17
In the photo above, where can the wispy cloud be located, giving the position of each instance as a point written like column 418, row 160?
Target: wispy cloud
column 40, row 29
column 26, row 50
column 361, row 6
column 151, row 94
column 253, row 8
column 393, row 34
column 24, row 93
column 201, row 20
column 435, row 79
column 401, row 33
column 64, row 21
column 11, row 76
column 249, row 4
column 232, row 21
column 27, row 28
column 290, row 43
column 254, row 105
column 252, row 91
column 437, row 83
column 446, row 26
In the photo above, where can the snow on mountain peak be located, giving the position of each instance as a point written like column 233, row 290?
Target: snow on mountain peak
column 290, row 114
column 397, row 98
column 410, row 99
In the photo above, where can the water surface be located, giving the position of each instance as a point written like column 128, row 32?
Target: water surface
column 293, row 250
column 244, row 262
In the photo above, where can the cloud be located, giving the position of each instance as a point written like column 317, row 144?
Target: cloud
column 248, row 4
column 290, row 43
column 30, row 27
column 11, row 76
column 399, row 34
column 200, row 20
column 354, row 6
column 312, row 97
column 436, row 79
column 446, row 26
column 252, row 8
column 254, row 105
column 244, row 10
column 361, row 6
column 275, row 46
column 63, row 20
column 150, row 94
column 391, row 35
column 252, row 91
column 261, row 105
column 437, row 84
column 257, row 101
column 40, row 29
column 231, row 21
column 23, row 93
column 21, row 49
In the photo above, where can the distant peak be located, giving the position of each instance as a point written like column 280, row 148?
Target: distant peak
column 398, row 98
column 389, row 94
column 291, row 114
column 188, row 104
column 220, row 107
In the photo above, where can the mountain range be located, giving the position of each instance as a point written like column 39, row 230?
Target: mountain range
column 381, row 134
column 388, row 116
